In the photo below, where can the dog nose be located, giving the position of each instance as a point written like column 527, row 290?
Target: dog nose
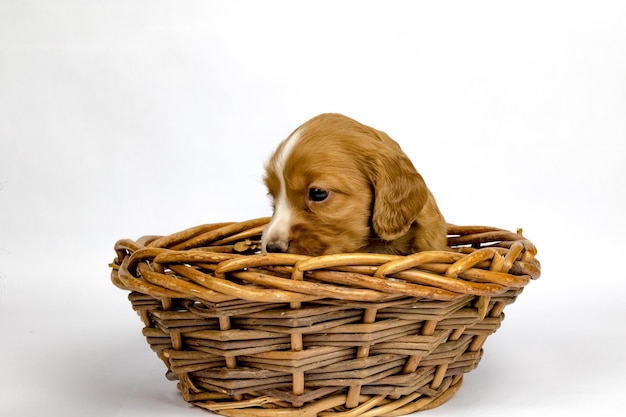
column 276, row 247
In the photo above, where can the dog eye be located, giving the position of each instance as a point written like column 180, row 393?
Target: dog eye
column 317, row 194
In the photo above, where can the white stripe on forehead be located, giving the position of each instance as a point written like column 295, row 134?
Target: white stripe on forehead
column 278, row 228
column 290, row 143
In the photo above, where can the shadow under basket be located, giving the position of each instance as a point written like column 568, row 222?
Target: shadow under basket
column 254, row 335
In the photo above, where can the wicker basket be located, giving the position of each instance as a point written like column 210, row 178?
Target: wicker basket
column 249, row 334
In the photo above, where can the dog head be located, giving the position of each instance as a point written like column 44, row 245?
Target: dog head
column 340, row 186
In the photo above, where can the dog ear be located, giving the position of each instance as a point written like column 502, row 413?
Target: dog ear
column 400, row 193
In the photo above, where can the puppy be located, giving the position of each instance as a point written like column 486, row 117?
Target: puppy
column 340, row 186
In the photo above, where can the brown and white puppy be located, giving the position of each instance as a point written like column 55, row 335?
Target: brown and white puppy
column 340, row 186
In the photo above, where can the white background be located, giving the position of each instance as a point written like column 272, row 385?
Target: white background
column 125, row 118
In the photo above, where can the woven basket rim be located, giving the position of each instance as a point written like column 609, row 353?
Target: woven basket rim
column 462, row 275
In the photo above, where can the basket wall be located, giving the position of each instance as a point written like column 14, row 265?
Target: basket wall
column 249, row 334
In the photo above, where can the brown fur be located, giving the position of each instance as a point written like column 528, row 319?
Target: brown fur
column 377, row 201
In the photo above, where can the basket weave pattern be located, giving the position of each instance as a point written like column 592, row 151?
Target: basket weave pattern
column 255, row 335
